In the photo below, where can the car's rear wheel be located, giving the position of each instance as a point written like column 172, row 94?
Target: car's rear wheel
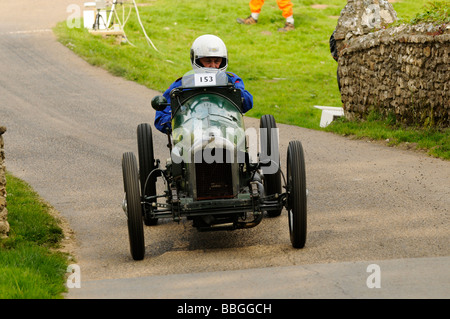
column 269, row 150
column 133, row 206
column 296, row 184
column 146, row 166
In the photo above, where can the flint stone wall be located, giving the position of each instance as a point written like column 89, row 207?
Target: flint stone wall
column 4, row 226
column 402, row 70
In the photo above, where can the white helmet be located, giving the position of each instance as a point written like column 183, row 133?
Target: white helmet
column 208, row 46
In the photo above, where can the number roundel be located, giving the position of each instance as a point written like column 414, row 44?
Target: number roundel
column 202, row 79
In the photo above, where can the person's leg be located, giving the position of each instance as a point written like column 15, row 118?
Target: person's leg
column 255, row 9
column 286, row 8
column 256, row 6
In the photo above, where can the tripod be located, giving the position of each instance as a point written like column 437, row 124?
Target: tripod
column 96, row 25
column 101, row 5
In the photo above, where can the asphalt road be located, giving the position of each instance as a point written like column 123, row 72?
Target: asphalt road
column 68, row 124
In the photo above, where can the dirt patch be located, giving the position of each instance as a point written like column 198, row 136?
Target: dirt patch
column 319, row 6
column 68, row 243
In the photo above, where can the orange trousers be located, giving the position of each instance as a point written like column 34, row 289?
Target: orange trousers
column 284, row 5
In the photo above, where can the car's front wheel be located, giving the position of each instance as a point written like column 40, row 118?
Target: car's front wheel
column 133, row 206
column 296, row 185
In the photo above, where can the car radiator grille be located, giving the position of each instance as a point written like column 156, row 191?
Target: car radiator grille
column 214, row 180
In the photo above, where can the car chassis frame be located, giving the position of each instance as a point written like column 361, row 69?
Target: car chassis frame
column 250, row 190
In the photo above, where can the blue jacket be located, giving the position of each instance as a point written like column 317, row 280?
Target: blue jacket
column 163, row 118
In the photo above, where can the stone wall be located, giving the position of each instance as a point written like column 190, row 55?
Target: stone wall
column 403, row 70
column 4, row 226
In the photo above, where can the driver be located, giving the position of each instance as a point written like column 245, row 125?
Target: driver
column 207, row 51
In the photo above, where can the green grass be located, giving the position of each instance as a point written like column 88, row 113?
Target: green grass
column 287, row 73
column 437, row 12
column 434, row 141
column 30, row 265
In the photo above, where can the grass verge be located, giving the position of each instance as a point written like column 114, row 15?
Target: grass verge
column 31, row 267
column 434, row 142
column 287, row 73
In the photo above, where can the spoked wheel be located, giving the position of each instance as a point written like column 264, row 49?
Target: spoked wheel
column 269, row 149
column 133, row 204
column 146, row 165
column 296, row 184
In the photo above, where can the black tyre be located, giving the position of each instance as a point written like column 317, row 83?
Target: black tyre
column 296, row 183
column 146, row 165
column 269, row 148
column 134, row 207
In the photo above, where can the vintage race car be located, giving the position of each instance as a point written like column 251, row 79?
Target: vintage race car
column 210, row 176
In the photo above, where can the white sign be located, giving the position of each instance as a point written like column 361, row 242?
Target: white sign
column 205, row 79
